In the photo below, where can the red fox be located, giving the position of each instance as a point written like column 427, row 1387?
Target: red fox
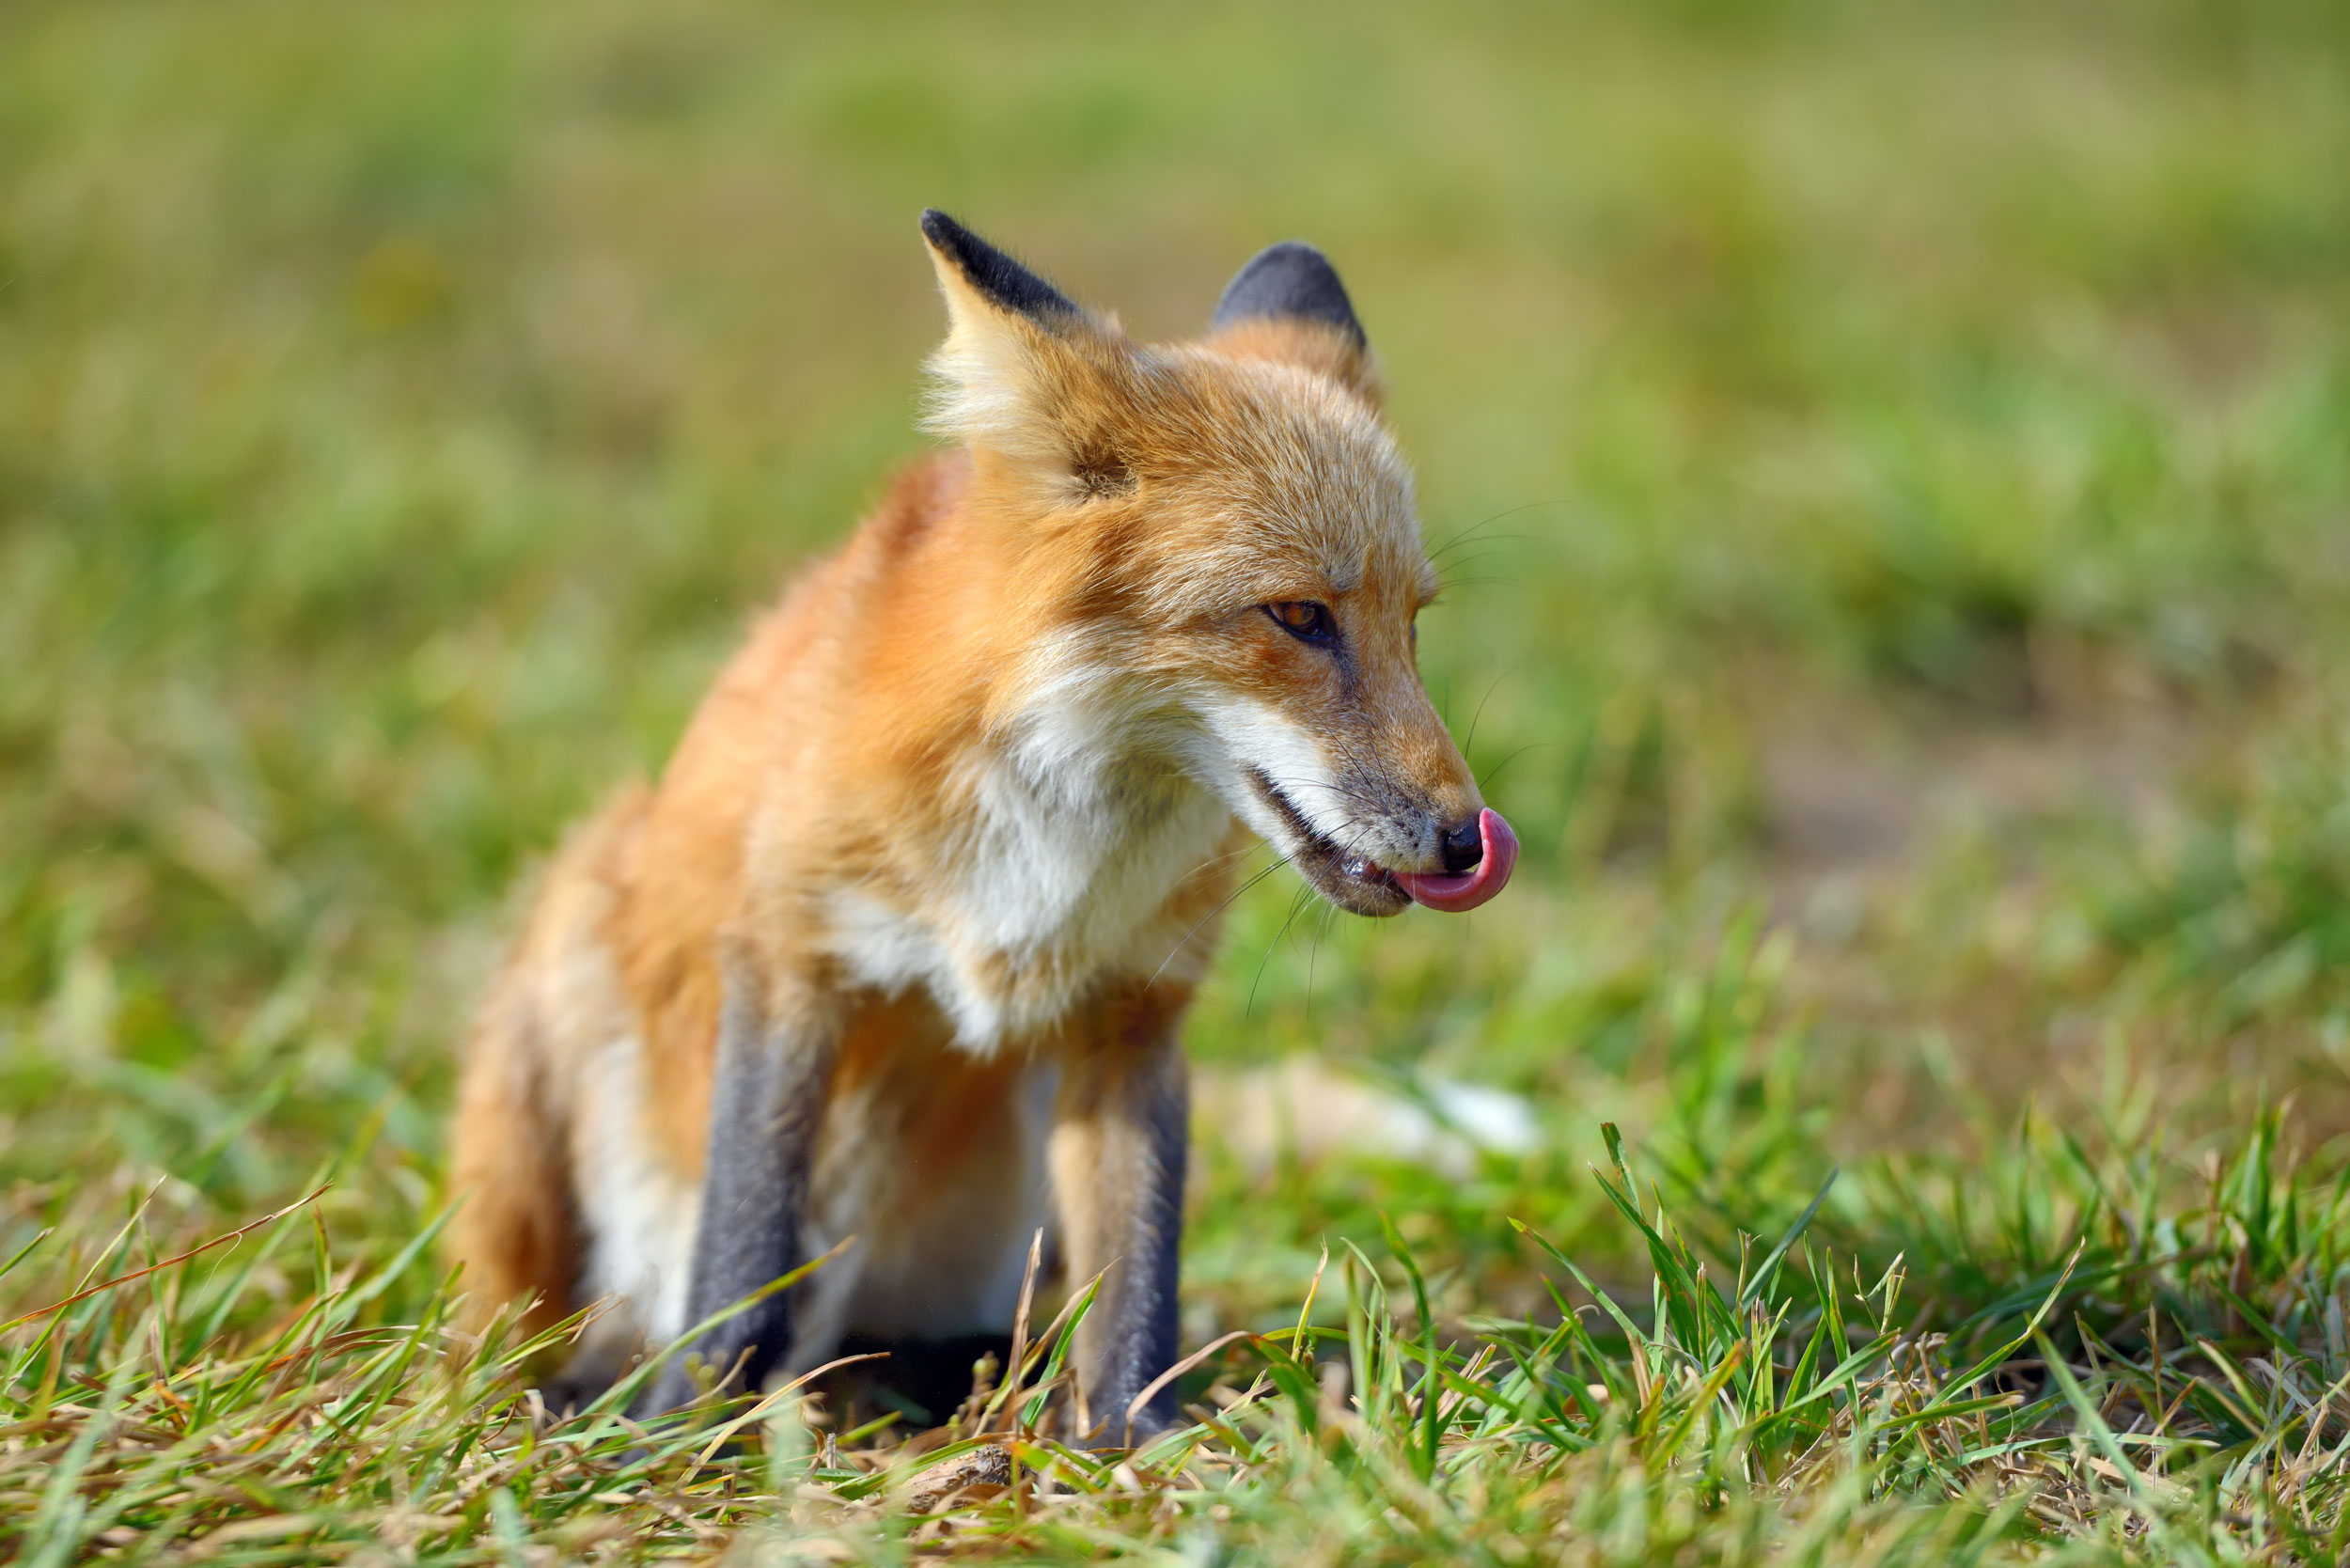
column 899, row 946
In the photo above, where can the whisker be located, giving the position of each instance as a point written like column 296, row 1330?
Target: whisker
column 1530, row 745
column 1345, row 850
column 1295, row 905
column 1468, row 561
column 1329, row 912
column 1508, row 511
column 1480, row 539
column 1217, row 862
column 1278, row 861
column 1480, row 708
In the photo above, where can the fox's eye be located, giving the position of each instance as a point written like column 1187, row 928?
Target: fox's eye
column 1305, row 620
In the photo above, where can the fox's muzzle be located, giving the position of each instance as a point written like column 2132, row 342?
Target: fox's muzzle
column 1487, row 872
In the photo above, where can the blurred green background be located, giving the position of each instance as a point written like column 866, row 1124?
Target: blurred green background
column 1895, row 460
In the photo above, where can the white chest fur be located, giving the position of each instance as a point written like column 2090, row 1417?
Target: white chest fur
column 1075, row 827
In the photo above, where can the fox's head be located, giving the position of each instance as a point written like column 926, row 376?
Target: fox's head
column 1219, row 547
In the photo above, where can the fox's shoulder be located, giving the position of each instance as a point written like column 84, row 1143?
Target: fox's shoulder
column 685, row 877
column 920, row 497
column 923, row 493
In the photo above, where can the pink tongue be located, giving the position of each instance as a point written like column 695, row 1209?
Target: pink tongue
column 1467, row 891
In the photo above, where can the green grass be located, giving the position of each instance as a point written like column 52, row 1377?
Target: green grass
column 1900, row 458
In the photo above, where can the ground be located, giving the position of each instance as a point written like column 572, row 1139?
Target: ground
column 1891, row 468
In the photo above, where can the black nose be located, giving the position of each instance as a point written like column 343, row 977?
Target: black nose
column 1463, row 847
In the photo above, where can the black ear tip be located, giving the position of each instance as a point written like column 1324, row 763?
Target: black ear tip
column 1290, row 278
column 941, row 230
column 993, row 273
column 1296, row 254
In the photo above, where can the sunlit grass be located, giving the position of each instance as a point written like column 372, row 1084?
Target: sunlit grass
column 2165, row 1383
column 1889, row 467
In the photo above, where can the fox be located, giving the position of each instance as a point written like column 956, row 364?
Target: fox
column 899, row 947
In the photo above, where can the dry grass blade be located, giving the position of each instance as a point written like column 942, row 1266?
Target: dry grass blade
column 138, row 1274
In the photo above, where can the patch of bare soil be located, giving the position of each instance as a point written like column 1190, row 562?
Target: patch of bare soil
column 1853, row 797
column 1865, row 799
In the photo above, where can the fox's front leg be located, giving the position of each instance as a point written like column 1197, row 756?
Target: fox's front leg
column 766, row 1100
column 1119, row 1140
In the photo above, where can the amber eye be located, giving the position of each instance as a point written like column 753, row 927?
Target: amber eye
column 1305, row 620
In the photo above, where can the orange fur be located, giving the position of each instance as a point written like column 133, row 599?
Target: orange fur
column 966, row 799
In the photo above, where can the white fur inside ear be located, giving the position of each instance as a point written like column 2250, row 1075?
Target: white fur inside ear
column 988, row 378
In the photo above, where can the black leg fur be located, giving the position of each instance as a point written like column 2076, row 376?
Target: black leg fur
column 583, row 1380
column 1123, row 1206
column 764, row 1105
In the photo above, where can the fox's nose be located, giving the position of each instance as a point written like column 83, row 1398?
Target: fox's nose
column 1463, row 847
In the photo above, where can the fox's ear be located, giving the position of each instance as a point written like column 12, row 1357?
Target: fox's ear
column 1289, row 305
column 1020, row 357
column 976, row 274
column 1291, row 281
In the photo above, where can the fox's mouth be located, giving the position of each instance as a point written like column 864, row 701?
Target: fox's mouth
column 1355, row 882
column 1359, row 885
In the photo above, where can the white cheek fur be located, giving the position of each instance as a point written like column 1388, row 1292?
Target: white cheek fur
column 1243, row 733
